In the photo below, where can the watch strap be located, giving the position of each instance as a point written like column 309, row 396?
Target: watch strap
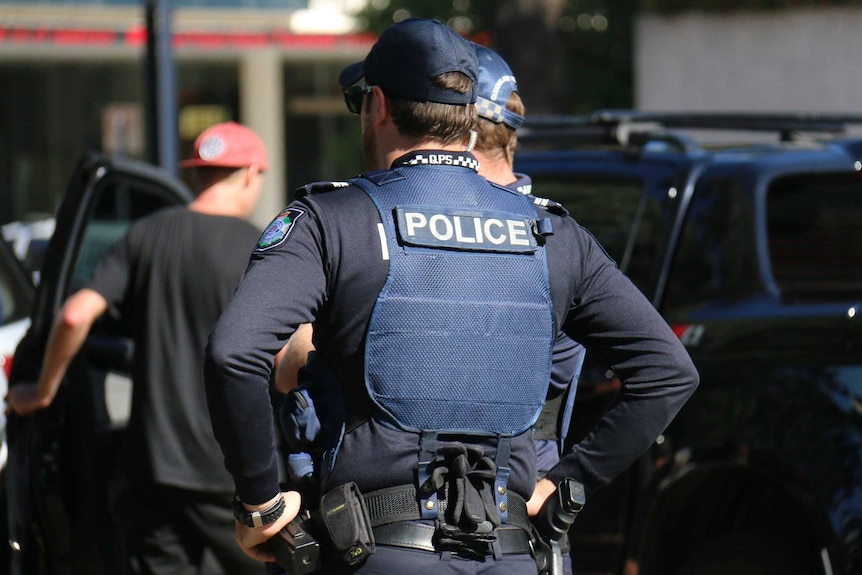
column 257, row 518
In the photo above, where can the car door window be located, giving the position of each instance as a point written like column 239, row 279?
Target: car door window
column 119, row 202
column 716, row 261
column 620, row 212
column 605, row 205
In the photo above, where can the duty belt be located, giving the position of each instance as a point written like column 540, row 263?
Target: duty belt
column 512, row 540
column 395, row 515
column 400, row 503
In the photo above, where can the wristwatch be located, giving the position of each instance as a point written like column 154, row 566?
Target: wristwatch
column 257, row 518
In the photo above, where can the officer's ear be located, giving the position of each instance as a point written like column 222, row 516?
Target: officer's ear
column 379, row 106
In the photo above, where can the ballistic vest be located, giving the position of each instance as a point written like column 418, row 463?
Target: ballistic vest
column 461, row 334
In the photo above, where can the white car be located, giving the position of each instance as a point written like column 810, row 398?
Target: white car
column 28, row 241
column 16, row 302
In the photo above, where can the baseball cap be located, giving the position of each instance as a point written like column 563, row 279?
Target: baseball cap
column 496, row 83
column 409, row 54
column 227, row 145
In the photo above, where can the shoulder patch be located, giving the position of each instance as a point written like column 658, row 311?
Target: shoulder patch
column 279, row 229
column 550, row 205
column 318, row 187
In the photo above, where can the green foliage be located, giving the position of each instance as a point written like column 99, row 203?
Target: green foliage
column 672, row 6
column 464, row 15
column 591, row 65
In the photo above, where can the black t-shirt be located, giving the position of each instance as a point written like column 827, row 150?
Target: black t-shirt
column 329, row 269
column 168, row 279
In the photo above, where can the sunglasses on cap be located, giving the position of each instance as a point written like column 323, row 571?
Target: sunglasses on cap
column 353, row 97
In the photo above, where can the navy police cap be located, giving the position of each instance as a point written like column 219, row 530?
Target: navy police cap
column 496, row 83
column 409, row 55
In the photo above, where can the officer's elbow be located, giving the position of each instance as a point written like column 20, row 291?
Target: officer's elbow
column 688, row 376
column 226, row 361
column 217, row 356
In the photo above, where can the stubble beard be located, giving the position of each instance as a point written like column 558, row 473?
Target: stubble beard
column 369, row 145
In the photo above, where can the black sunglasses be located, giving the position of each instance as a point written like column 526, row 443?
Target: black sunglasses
column 353, row 97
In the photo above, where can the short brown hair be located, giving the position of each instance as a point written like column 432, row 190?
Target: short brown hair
column 499, row 140
column 202, row 177
column 446, row 123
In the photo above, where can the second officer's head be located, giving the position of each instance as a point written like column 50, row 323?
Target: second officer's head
column 500, row 109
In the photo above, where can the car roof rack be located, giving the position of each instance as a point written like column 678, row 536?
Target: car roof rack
column 638, row 128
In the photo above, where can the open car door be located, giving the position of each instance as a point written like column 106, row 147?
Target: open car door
column 63, row 471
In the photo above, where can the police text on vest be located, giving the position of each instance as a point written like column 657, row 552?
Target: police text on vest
column 474, row 230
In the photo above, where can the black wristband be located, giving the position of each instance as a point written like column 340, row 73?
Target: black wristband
column 258, row 518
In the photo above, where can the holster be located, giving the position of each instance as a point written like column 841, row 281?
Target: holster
column 345, row 525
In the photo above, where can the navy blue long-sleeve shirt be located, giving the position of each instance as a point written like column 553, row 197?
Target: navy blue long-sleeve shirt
column 329, row 271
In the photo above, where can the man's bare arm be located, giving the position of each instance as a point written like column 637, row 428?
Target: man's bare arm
column 68, row 333
column 293, row 357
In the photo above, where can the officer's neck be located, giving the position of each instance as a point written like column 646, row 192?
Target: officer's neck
column 495, row 169
column 393, row 146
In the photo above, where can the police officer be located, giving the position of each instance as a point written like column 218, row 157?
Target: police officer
column 501, row 113
column 435, row 296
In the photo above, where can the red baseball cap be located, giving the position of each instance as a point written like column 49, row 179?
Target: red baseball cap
column 227, row 145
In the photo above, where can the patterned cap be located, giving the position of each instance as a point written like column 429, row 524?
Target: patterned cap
column 496, row 83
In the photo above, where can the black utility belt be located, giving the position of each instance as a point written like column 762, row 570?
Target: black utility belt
column 412, row 535
column 397, row 521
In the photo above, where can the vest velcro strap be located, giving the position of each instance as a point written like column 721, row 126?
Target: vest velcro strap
column 400, row 503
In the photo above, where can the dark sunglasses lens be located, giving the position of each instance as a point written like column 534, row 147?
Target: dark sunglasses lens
column 353, row 98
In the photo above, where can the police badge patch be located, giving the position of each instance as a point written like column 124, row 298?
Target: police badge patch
column 279, row 229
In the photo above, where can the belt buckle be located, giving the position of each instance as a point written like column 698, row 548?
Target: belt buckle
column 476, row 544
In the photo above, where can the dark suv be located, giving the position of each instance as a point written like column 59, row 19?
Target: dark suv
column 751, row 248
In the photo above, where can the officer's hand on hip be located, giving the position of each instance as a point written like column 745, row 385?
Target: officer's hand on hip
column 544, row 489
column 253, row 540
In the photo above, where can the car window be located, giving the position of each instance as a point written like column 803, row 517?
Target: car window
column 16, row 291
column 606, row 206
column 120, row 201
column 716, row 259
column 815, row 241
column 619, row 212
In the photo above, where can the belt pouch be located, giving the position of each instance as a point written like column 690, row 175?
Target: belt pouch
column 343, row 515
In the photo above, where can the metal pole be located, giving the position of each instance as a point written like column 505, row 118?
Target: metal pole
column 160, row 86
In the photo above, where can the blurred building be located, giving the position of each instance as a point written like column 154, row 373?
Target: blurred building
column 782, row 60
column 72, row 79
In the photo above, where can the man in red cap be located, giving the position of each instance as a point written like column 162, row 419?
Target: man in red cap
column 167, row 279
